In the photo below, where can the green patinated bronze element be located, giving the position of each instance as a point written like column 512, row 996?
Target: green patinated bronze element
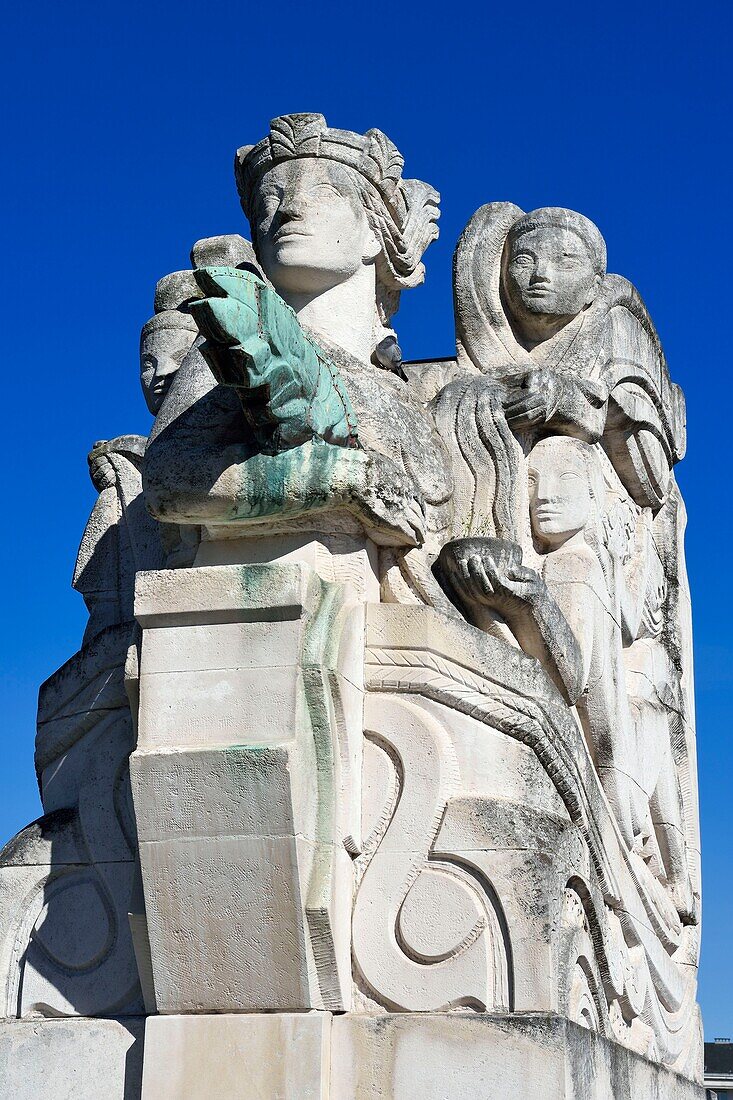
column 290, row 391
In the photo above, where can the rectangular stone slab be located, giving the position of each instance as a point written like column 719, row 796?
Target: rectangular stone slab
column 278, row 1057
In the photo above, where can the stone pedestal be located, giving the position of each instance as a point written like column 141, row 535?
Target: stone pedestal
column 248, row 738
column 369, row 833
column 236, row 1057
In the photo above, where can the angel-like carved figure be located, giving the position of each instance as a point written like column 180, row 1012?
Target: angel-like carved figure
column 548, row 343
column 571, row 348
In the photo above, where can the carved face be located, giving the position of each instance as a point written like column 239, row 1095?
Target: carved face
column 549, row 272
column 560, row 498
column 311, row 229
column 161, row 353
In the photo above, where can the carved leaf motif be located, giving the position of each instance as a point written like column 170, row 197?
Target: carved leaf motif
column 296, row 133
column 290, row 391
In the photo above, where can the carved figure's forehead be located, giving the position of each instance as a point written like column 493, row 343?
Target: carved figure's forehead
column 308, row 172
column 558, row 455
column 162, row 339
column 550, row 239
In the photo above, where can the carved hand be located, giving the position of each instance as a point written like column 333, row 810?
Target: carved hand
column 101, row 470
column 532, row 398
column 487, row 582
column 489, row 571
column 394, row 512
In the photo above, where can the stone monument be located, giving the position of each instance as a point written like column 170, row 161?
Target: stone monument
column 374, row 777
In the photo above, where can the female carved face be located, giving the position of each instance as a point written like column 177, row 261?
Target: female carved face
column 560, row 498
column 311, row 229
column 550, row 272
column 161, row 353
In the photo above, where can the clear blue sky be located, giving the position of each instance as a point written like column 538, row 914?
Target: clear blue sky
column 120, row 126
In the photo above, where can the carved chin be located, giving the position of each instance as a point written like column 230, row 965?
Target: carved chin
column 295, row 266
column 544, row 305
column 554, row 527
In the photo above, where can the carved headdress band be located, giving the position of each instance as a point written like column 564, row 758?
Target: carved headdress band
column 401, row 212
column 557, row 217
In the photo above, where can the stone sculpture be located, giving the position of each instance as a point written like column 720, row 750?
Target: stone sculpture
column 407, row 655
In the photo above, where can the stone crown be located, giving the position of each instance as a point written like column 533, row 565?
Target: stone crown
column 372, row 155
column 404, row 211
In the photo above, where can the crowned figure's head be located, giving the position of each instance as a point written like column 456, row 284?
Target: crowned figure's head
column 329, row 207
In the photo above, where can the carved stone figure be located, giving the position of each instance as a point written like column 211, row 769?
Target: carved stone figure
column 394, row 661
column 78, row 860
column 569, row 615
column 339, row 234
column 576, row 348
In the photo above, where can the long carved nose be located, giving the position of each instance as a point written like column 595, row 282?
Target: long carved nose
column 546, row 489
column 166, row 365
column 291, row 207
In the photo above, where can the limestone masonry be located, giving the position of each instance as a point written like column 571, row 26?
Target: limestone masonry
column 374, row 777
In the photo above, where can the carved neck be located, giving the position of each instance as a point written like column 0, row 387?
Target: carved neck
column 533, row 330
column 343, row 315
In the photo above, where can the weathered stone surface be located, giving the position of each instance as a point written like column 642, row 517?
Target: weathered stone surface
column 438, row 1056
column 238, row 792
column 278, row 1056
column 71, row 1059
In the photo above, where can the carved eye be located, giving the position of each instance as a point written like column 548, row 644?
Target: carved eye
column 523, row 260
column 267, row 204
column 330, row 188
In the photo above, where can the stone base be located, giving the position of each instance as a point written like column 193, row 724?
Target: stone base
column 71, row 1059
column 434, row 1056
column 316, row 1056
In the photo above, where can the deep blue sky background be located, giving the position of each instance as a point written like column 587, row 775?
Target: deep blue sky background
column 119, row 130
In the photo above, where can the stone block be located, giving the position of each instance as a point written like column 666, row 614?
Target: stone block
column 207, row 792
column 225, row 923
column 207, row 594
column 229, row 922
column 220, row 646
column 217, row 707
column 443, row 1056
column 71, row 1059
column 269, row 1057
